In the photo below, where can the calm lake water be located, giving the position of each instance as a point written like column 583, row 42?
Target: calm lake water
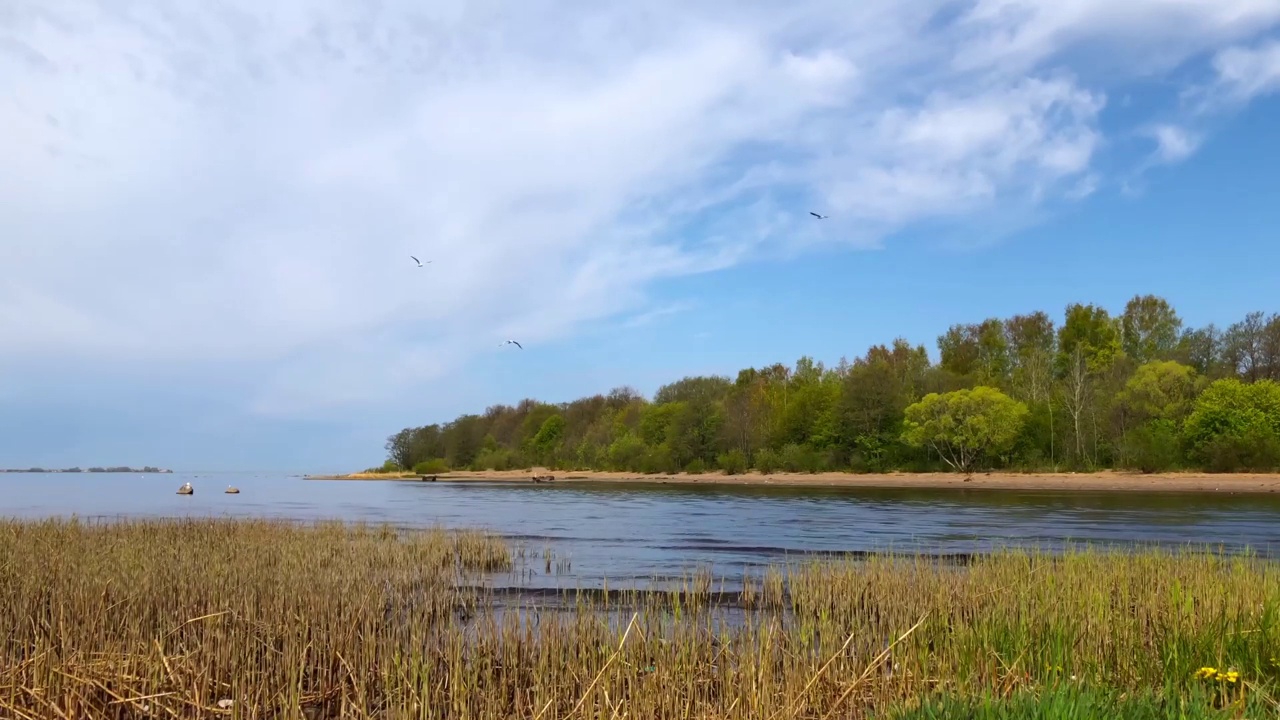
column 623, row 532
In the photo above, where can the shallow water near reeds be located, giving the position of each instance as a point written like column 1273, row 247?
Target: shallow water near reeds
column 589, row 535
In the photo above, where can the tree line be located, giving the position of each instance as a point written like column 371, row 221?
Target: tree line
column 1137, row 390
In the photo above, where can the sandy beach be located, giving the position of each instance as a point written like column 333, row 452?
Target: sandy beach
column 1109, row 481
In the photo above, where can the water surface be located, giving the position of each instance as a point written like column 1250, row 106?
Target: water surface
column 627, row 531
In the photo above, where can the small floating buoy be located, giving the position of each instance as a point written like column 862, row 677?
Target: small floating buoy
column 232, row 490
column 186, row 489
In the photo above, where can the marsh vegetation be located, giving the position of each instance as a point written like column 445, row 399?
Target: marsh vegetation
column 264, row 619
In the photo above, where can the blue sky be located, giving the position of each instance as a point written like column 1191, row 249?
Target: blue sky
column 208, row 212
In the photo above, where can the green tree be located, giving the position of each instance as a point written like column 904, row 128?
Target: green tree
column 1236, row 425
column 655, row 420
column 400, row 448
column 462, row 440
column 1151, row 407
column 965, row 427
column 627, row 453
column 1150, row 328
column 1202, row 350
column 692, row 430
column 1090, row 329
column 746, row 413
column 546, row 442
column 1091, row 400
column 980, row 352
column 869, row 411
column 1158, row 391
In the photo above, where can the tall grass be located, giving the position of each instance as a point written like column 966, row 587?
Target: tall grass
column 257, row 619
column 1074, row 703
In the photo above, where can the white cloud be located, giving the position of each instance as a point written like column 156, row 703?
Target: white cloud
column 649, row 316
column 1131, row 37
column 1173, row 144
column 1246, row 72
column 245, row 182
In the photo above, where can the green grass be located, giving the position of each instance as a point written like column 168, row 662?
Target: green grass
column 1076, row 703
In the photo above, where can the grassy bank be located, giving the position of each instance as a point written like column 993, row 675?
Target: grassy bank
column 199, row 619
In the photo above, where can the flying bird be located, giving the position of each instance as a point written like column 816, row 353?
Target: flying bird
column 512, row 342
column 417, row 260
column 820, row 217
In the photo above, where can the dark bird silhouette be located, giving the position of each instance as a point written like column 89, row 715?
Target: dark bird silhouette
column 512, row 342
column 417, row 260
column 820, row 217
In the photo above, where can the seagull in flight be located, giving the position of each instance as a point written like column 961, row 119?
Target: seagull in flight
column 820, row 217
column 417, row 260
column 511, row 342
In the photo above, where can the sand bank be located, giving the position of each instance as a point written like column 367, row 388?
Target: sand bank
column 1109, row 481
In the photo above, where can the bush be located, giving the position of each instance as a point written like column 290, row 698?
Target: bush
column 1153, row 447
column 799, row 458
column 965, row 427
column 696, row 467
column 831, row 459
column 386, row 468
column 390, row 466
column 660, row 459
column 590, row 456
column 733, row 462
column 1255, row 449
column 1236, row 426
column 767, row 461
column 628, row 453
column 434, row 466
column 494, row 460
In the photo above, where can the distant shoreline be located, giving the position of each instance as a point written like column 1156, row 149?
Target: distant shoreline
column 1251, row 483
column 145, row 470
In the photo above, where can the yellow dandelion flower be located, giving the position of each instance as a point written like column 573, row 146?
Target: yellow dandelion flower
column 1230, row 676
column 1206, row 672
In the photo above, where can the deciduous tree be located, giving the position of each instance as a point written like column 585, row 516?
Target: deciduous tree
column 966, row 426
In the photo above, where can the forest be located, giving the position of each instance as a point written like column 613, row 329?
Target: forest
column 1136, row 390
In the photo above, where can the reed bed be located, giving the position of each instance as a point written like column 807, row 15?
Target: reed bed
column 259, row 619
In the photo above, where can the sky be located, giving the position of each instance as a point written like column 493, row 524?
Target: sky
column 207, row 209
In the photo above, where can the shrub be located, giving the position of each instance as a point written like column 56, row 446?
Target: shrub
column 494, row 460
column 1236, row 425
column 696, row 467
column 733, row 462
column 628, row 453
column 434, row 466
column 590, row 456
column 799, row 458
column 1254, row 449
column 965, row 427
column 661, row 460
column 767, row 460
column 1153, row 447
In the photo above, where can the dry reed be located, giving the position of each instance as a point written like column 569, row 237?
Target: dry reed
column 259, row 619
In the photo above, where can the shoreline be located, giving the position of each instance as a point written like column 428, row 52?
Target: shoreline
column 1105, row 481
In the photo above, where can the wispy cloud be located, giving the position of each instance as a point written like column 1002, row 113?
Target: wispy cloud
column 244, row 182
column 649, row 316
column 1245, row 72
column 1173, row 144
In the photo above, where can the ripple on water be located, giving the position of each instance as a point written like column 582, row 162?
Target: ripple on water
column 630, row 531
